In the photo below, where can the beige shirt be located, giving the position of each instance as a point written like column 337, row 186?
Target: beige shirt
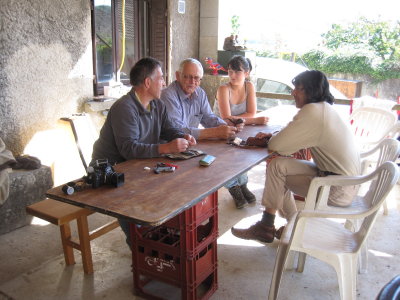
column 319, row 127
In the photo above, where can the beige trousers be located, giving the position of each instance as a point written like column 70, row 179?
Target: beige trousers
column 286, row 176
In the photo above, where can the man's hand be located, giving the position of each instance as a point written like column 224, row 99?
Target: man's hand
column 225, row 131
column 239, row 127
column 222, row 132
column 190, row 139
column 175, row 146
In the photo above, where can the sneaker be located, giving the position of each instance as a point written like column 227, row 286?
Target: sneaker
column 258, row 232
column 249, row 196
column 238, row 197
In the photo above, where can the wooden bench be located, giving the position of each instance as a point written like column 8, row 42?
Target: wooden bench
column 61, row 214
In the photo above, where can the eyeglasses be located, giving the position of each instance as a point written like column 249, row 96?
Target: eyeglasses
column 190, row 78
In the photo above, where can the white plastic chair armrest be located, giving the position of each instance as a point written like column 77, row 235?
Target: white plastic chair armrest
column 320, row 199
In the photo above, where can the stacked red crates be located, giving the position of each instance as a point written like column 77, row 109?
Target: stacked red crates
column 182, row 252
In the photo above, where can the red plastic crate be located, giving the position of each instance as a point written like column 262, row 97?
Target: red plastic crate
column 197, row 278
column 196, row 214
column 182, row 252
column 175, row 242
column 196, row 239
column 198, row 268
column 202, row 291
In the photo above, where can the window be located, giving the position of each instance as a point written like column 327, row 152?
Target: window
column 122, row 33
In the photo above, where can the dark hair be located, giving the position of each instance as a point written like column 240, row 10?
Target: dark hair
column 239, row 62
column 143, row 68
column 315, row 85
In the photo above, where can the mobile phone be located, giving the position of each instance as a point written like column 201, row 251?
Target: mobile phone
column 207, row 160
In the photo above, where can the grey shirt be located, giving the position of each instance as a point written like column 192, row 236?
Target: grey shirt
column 130, row 131
column 188, row 113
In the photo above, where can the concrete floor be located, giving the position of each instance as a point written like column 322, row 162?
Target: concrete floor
column 32, row 264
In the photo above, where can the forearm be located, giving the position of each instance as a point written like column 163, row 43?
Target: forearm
column 164, row 149
column 207, row 133
column 250, row 120
column 138, row 150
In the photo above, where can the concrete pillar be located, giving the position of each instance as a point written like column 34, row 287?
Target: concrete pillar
column 208, row 45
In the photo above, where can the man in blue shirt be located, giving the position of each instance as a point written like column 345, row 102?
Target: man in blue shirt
column 188, row 107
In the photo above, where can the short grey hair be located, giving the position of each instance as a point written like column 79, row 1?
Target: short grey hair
column 190, row 61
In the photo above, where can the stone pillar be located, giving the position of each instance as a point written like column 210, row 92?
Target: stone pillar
column 208, row 30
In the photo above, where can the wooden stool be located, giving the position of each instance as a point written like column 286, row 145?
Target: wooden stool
column 61, row 214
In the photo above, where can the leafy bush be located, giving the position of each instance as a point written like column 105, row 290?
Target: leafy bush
column 353, row 64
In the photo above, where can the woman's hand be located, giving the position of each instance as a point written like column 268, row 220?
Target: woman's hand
column 263, row 120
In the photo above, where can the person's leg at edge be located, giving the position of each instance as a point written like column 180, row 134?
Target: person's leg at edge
column 283, row 176
column 233, row 187
column 248, row 195
column 125, row 226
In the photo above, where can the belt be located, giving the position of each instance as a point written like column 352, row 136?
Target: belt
column 325, row 173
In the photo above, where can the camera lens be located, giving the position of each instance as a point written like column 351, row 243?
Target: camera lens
column 68, row 190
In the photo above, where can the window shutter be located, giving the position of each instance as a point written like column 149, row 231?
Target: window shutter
column 158, row 31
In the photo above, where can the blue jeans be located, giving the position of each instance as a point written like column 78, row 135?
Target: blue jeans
column 240, row 180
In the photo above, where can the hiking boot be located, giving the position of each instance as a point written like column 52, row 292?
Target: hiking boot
column 238, row 197
column 249, row 196
column 258, row 232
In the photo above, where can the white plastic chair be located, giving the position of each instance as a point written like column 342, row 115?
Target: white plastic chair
column 374, row 102
column 386, row 150
column 371, row 125
column 312, row 232
column 394, row 132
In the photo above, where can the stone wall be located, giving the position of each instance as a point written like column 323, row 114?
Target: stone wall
column 183, row 34
column 45, row 65
column 26, row 187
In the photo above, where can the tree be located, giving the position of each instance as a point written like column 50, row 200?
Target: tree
column 380, row 37
column 235, row 24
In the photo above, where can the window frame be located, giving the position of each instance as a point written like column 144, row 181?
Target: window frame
column 142, row 34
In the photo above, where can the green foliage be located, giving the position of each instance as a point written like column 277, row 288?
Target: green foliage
column 266, row 53
column 380, row 37
column 235, row 24
column 353, row 64
column 362, row 47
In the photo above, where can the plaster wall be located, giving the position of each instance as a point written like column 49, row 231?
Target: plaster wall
column 45, row 66
column 183, row 34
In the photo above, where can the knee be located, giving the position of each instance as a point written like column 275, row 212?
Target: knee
column 278, row 165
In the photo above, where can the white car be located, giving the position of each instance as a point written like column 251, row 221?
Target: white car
column 275, row 76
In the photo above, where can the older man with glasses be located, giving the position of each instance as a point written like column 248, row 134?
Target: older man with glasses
column 188, row 107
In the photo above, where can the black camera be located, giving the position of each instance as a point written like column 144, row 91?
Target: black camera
column 103, row 173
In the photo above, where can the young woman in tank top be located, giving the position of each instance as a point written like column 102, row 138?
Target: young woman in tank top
column 237, row 99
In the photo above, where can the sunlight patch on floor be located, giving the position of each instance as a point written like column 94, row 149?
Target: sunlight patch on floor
column 39, row 222
column 379, row 253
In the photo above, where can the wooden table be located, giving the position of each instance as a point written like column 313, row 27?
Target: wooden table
column 151, row 199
